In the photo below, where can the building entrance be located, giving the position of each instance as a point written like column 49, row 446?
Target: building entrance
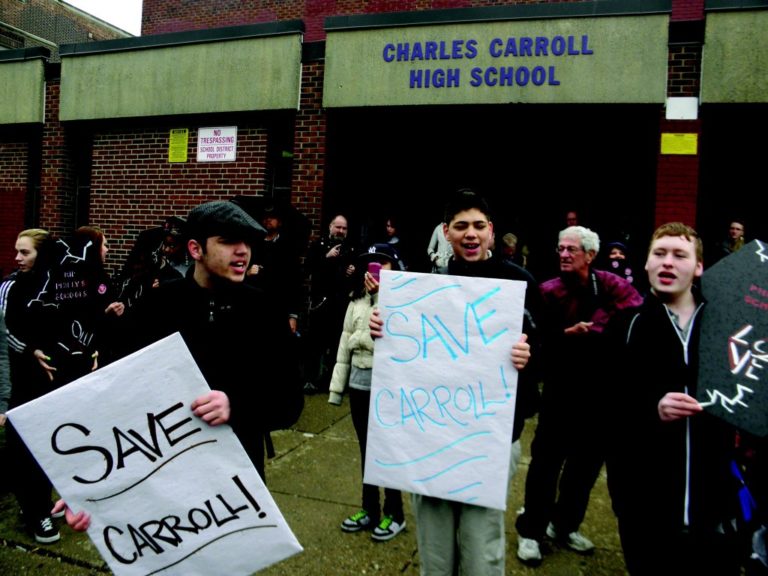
column 533, row 162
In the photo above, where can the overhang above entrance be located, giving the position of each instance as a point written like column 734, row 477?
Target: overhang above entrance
column 735, row 56
column 22, row 83
column 256, row 67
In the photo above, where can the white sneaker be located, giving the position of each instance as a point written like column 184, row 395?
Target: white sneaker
column 575, row 540
column 528, row 550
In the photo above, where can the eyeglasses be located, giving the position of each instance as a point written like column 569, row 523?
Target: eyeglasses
column 570, row 249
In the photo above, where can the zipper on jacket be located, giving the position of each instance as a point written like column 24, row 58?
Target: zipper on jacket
column 685, row 341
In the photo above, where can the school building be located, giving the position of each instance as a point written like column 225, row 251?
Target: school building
column 633, row 112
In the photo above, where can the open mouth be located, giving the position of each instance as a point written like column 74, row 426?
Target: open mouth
column 666, row 277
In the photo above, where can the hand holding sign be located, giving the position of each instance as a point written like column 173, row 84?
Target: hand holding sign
column 166, row 491
column 79, row 522
column 444, row 386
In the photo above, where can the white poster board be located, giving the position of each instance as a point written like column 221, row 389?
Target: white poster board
column 168, row 494
column 444, row 388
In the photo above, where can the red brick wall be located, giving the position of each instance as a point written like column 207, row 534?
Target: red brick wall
column 309, row 145
column 677, row 179
column 687, row 9
column 57, row 180
column 684, row 70
column 134, row 187
column 14, row 158
column 54, row 21
column 162, row 16
column 677, row 176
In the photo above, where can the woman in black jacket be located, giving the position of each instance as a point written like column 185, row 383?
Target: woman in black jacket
column 19, row 297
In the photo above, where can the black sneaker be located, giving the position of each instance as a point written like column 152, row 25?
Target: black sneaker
column 46, row 532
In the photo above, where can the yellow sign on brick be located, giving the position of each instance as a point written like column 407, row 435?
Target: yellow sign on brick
column 177, row 145
column 679, row 143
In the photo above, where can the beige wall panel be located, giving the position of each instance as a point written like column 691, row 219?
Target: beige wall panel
column 227, row 76
column 612, row 59
column 735, row 58
column 22, row 91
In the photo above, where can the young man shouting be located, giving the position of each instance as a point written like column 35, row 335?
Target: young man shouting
column 669, row 467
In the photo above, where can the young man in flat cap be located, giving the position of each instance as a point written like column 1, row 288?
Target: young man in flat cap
column 236, row 336
column 233, row 332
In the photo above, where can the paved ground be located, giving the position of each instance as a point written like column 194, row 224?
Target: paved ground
column 315, row 481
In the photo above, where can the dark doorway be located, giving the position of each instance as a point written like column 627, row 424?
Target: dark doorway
column 733, row 180
column 533, row 163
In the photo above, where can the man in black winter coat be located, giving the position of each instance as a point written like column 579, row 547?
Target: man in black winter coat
column 238, row 338
column 330, row 263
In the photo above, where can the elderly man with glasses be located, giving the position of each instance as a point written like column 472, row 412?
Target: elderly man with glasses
column 569, row 446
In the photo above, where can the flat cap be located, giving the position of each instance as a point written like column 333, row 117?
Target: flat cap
column 222, row 218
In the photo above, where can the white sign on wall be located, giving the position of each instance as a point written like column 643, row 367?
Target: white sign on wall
column 217, row 144
column 168, row 494
column 444, row 388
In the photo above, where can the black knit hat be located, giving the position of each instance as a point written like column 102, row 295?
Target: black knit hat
column 222, row 218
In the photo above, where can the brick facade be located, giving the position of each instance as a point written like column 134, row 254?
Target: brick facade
column 57, row 176
column 684, row 73
column 14, row 162
column 50, row 20
column 687, row 10
column 134, row 187
column 159, row 16
column 309, row 146
column 677, row 177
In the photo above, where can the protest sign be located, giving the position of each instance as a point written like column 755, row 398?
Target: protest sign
column 444, row 388
column 168, row 493
column 734, row 339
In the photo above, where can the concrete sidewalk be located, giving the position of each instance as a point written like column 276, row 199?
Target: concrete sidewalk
column 315, row 480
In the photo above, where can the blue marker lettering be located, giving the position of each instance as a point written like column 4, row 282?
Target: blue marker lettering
column 436, row 393
column 437, row 336
column 406, row 410
column 460, row 391
column 421, row 407
column 378, row 411
column 390, row 320
column 480, row 319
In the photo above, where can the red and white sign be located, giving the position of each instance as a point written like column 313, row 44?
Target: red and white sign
column 217, row 144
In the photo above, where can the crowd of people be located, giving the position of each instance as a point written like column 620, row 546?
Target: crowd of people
column 608, row 360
